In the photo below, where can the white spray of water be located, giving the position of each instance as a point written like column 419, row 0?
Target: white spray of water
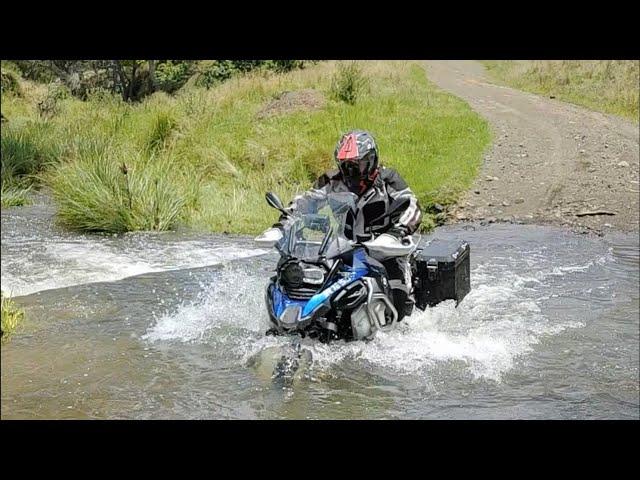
column 67, row 263
column 499, row 321
column 231, row 303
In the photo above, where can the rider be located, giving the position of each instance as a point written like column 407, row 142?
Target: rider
column 358, row 171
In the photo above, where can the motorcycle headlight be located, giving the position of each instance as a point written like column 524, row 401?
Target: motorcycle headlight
column 313, row 275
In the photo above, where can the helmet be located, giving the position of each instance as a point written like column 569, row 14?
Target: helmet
column 357, row 157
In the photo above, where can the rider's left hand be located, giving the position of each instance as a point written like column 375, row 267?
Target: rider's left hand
column 396, row 232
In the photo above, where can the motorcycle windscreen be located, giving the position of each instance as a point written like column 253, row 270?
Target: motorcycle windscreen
column 318, row 225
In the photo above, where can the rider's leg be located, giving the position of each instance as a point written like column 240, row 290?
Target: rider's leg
column 399, row 272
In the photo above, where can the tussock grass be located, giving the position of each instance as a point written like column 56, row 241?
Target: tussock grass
column 11, row 316
column 205, row 158
column 610, row 86
column 103, row 188
column 14, row 192
column 27, row 149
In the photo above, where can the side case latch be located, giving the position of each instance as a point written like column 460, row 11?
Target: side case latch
column 432, row 269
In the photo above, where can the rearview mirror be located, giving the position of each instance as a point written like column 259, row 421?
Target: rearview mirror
column 274, row 201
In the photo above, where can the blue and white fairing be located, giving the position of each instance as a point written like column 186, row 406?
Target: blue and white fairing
column 315, row 231
column 348, row 275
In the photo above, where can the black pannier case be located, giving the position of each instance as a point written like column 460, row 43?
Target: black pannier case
column 442, row 272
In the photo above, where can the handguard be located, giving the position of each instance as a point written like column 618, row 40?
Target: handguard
column 269, row 237
column 387, row 245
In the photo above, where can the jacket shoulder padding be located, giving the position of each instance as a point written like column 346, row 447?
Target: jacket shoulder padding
column 392, row 178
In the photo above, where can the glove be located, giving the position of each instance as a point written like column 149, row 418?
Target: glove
column 397, row 232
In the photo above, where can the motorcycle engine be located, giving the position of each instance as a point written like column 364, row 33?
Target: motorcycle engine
column 363, row 326
column 360, row 324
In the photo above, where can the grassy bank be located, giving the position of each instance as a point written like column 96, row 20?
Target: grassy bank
column 14, row 194
column 205, row 158
column 25, row 144
column 609, row 86
column 11, row 317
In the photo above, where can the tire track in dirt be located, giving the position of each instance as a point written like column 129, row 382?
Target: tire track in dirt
column 549, row 161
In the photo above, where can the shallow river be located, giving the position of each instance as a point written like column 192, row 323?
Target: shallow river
column 170, row 326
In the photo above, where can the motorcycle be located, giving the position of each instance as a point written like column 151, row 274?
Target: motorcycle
column 327, row 286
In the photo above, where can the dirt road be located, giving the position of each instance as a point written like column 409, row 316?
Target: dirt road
column 551, row 162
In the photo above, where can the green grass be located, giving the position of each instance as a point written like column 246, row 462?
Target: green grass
column 29, row 144
column 11, row 316
column 609, row 86
column 205, row 158
column 94, row 193
column 14, row 195
column 433, row 139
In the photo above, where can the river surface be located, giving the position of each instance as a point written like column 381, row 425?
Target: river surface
column 171, row 326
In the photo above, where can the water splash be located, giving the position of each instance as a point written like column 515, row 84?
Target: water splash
column 58, row 264
column 232, row 304
column 498, row 321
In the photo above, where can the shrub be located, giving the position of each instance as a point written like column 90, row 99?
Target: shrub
column 173, row 74
column 348, row 83
column 10, row 84
column 283, row 66
column 37, row 70
column 213, row 72
column 49, row 105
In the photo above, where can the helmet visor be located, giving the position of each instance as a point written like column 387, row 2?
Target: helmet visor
column 354, row 168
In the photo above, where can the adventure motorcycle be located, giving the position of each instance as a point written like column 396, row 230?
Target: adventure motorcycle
column 330, row 287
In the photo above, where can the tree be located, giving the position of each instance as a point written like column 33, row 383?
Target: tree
column 133, row 79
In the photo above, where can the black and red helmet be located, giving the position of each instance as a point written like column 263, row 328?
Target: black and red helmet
column 357, row 157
